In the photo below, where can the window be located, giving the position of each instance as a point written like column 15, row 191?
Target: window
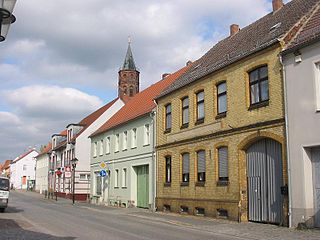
column 134, row 138
column 69, row 135
column 185, row 112
column 116, row 146
column 116, row 178
column 101, row 148
column 185, row 167
column 259, row 88
column 98, row 184
column 168, row 117
column 200, row 106
column 94, row 149
column 223, row 163
column 124, row 177
column 201, row 165
column 83, row 176
column 125, row 140
column 318, row 86
column 107, row 145
column 146, row 134
column 168, row 169
column 222, row 98
column 24, row 167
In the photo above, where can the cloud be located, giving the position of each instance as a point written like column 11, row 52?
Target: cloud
column 61, row 58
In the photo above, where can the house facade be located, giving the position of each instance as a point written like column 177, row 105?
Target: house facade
column 125, row 144
column 76, row 145
column 301, row 62
column 22, row 170
column 5, row 169
column 221, row 148
column 42, row 169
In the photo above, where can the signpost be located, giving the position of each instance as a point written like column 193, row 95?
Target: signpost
column 103, row 173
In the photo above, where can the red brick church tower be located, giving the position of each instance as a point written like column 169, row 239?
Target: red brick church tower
column 128, row 76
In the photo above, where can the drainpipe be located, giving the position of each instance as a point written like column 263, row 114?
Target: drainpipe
column 287, row 140
column 153, row 165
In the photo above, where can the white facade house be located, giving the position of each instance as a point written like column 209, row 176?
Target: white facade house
column 302, row 84
column 42, row 169
column 22, row 170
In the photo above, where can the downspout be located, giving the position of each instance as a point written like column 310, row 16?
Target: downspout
column 287, row 140
column 153, row 165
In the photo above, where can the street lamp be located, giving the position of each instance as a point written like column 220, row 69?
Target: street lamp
column 6, row 17
column 74, row 162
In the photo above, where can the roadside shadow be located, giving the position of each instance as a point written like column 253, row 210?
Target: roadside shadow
column 10, row 209
column 11, row 230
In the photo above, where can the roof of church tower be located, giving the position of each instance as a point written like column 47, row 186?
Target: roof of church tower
column 129, row 61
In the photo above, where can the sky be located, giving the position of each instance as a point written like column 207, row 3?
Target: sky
column 61, row 58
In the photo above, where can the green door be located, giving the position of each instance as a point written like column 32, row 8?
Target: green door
column 143, row 186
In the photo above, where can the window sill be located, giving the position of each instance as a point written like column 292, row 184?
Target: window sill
column 222, row 183
column 124, row 187
column 184, row 184
column 221, row 115
column 123, row 150
column 134, row 147
column 200, row 184
column 199, row 121
column 108, row 153
column 167, row 184
column 116, row 187
column 116, row 151
column 147, row 144
column 183, row 126
column 167, row 131
column 259, row 105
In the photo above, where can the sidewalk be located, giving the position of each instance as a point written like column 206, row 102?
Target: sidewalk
column 247, row 230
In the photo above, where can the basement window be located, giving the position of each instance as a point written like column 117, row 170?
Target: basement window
column 184, row 209
column 222, row 213
column 200, row 211
column 166, row 208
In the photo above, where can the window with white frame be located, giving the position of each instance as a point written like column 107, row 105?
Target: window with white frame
column 125, row 140
column 101, row 148
column 134, row 138
column 318, row 86
column 124, row 177
column 107, row 145
column 95, row 149
column 24, row 167
column 116, row 146
column 146, row 134
column 116, row 178
column 98, row 184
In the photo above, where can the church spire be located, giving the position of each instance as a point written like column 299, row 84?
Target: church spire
column 129, row 61
column 128, row 75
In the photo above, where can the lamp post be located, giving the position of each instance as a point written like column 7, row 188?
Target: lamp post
column 6, row 17
column 74, row 162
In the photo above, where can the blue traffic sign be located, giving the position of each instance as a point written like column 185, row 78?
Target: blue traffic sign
column 103, row 173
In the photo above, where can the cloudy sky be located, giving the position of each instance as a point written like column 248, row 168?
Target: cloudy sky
column 61, row 58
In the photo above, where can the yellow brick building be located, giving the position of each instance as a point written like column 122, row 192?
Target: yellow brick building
column 221, row 148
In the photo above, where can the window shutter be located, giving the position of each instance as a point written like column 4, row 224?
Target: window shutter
column 201, row 161
column 185, row 163
column 223, row 162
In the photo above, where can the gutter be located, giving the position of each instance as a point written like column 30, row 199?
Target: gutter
column 287, row 140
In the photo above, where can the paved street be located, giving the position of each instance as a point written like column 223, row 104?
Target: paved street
column 30, row 216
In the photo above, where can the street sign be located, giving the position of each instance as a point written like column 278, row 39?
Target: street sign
column 103, row 173
column 103, row 165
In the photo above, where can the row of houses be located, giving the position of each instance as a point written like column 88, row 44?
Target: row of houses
column 234, row 134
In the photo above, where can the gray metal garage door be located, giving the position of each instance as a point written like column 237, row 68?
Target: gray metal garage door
column 316, row 184
column 264, row 173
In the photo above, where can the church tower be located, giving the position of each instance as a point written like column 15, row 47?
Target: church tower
column 128, row 76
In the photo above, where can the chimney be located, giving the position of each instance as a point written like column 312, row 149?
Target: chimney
column 276, row 5
column 234, row 28
column 165, row 75
column 188, row 63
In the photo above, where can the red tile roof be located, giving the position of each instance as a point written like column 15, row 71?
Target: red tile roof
column 6, row 164
column 23, row 155
column 141, row 104
column 45, row 150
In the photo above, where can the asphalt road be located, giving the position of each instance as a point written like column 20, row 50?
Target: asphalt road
column 32, row 217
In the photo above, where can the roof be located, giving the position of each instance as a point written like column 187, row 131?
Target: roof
column 129, row 61
column 45, row 150
column 255, row 37
column 309, row 33
column 142, row 103
column 23, row 155
column 6, row 164
column 87, row 121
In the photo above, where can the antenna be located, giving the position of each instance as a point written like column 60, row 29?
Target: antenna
column 129, row 39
